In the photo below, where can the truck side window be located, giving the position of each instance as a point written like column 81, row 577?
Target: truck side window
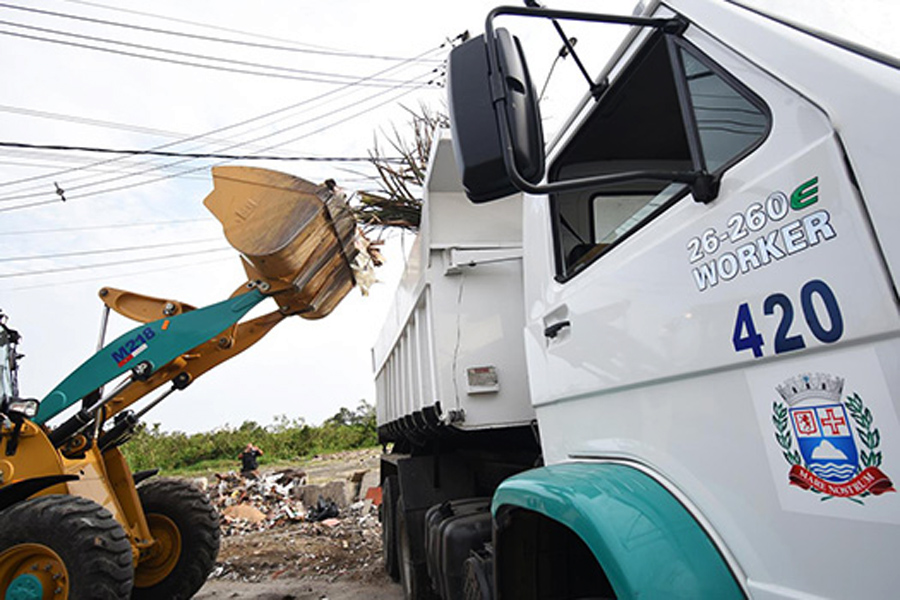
column 638, row 124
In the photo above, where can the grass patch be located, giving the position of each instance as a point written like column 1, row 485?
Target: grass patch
column 285, row 443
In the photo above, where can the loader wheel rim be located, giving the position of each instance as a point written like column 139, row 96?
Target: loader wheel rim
column 161, row 558
column 33, row 572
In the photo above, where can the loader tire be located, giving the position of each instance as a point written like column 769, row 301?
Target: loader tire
column 63, row 547
column 389, row 526
column 186, row 528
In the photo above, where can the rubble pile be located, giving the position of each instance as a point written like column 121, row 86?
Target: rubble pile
column 270, row 500
column 348, row 546
column 319, row 521
column 275, row 499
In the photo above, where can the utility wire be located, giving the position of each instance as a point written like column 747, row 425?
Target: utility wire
column 337, row 53
column 41, row 114
column 201, row 25
column 167, row 269
column 31, row 163
column 106, row 226
column 257, row 118
column 183, row 140
column 280, row 72
column 192, row 154
column 105, row 250
column 178, row 174
column 111, row 264
column 128, row 186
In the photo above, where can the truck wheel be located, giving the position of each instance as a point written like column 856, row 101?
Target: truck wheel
column 413, row 576
column 186, row 529
column 479, row 577
column 389, row 527
column 63, row 547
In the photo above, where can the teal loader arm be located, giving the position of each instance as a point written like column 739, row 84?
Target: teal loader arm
column 146, row 348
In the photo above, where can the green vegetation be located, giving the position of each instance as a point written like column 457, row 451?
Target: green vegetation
column 285, row 441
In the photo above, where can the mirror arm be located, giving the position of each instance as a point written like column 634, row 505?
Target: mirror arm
column 675, row 25
column 704, row 185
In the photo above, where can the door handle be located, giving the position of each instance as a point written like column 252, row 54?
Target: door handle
column 551, row 331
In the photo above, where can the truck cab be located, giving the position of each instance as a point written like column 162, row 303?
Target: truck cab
column 711, row 331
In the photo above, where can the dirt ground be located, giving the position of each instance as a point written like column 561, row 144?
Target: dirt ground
column 336, row 559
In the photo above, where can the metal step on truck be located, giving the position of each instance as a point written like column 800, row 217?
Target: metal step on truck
column 708, row 320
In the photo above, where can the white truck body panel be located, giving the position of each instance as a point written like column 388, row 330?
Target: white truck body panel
column 458, row 307
column 648, row 371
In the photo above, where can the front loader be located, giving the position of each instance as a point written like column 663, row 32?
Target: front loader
column 73, row 521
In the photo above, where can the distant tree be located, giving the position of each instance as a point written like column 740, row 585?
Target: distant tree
column 398, row 201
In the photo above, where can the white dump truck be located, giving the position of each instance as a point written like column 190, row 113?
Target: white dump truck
column 701, row 397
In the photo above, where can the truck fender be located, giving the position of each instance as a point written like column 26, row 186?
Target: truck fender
column 22, row 490
column 647, row 543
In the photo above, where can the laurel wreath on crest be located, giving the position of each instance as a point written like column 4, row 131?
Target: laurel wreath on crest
column 869, row 436
column 783, row 434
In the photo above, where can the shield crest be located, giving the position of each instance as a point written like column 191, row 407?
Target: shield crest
column 825, row 437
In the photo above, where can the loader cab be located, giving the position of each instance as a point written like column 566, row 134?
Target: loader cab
column 9, row 388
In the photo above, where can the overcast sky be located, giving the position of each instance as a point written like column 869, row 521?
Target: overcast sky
column 277, row 77
column 123, row 214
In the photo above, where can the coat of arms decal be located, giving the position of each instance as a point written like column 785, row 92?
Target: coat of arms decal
column 836, row 451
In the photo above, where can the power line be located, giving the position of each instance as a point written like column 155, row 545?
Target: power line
column 129, row 186
column 167, row 269
column 30, row 112
column 29, row 163
column 135, row 152
column 199, row 24
column 192, row 170
column 111, row 264
column 309, row 76
column 106, row 226
column 261, row 117
column 336, row 53
column 104, row 251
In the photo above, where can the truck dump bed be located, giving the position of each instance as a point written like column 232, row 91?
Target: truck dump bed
column 451, row 348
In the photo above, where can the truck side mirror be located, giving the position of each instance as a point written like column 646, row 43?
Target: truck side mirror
column 495, row 121
column 477, row 138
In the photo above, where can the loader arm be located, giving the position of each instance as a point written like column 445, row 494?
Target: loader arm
column 197, row 361
column 141, row 308
column 146, row 349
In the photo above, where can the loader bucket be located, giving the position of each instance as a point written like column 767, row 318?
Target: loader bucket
column 291, row 234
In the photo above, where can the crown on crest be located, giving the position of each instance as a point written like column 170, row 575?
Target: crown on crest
column 811, row 385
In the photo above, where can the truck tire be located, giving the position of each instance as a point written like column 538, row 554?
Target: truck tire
column 413, row 576
column 389, row 526
column 479, row 577
column 64, row 547
column 186, row 527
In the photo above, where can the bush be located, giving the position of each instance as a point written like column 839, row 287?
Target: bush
column 285, row 440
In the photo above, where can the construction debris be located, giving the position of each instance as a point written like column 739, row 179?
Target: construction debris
column 281, row 497
column 281, row 526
